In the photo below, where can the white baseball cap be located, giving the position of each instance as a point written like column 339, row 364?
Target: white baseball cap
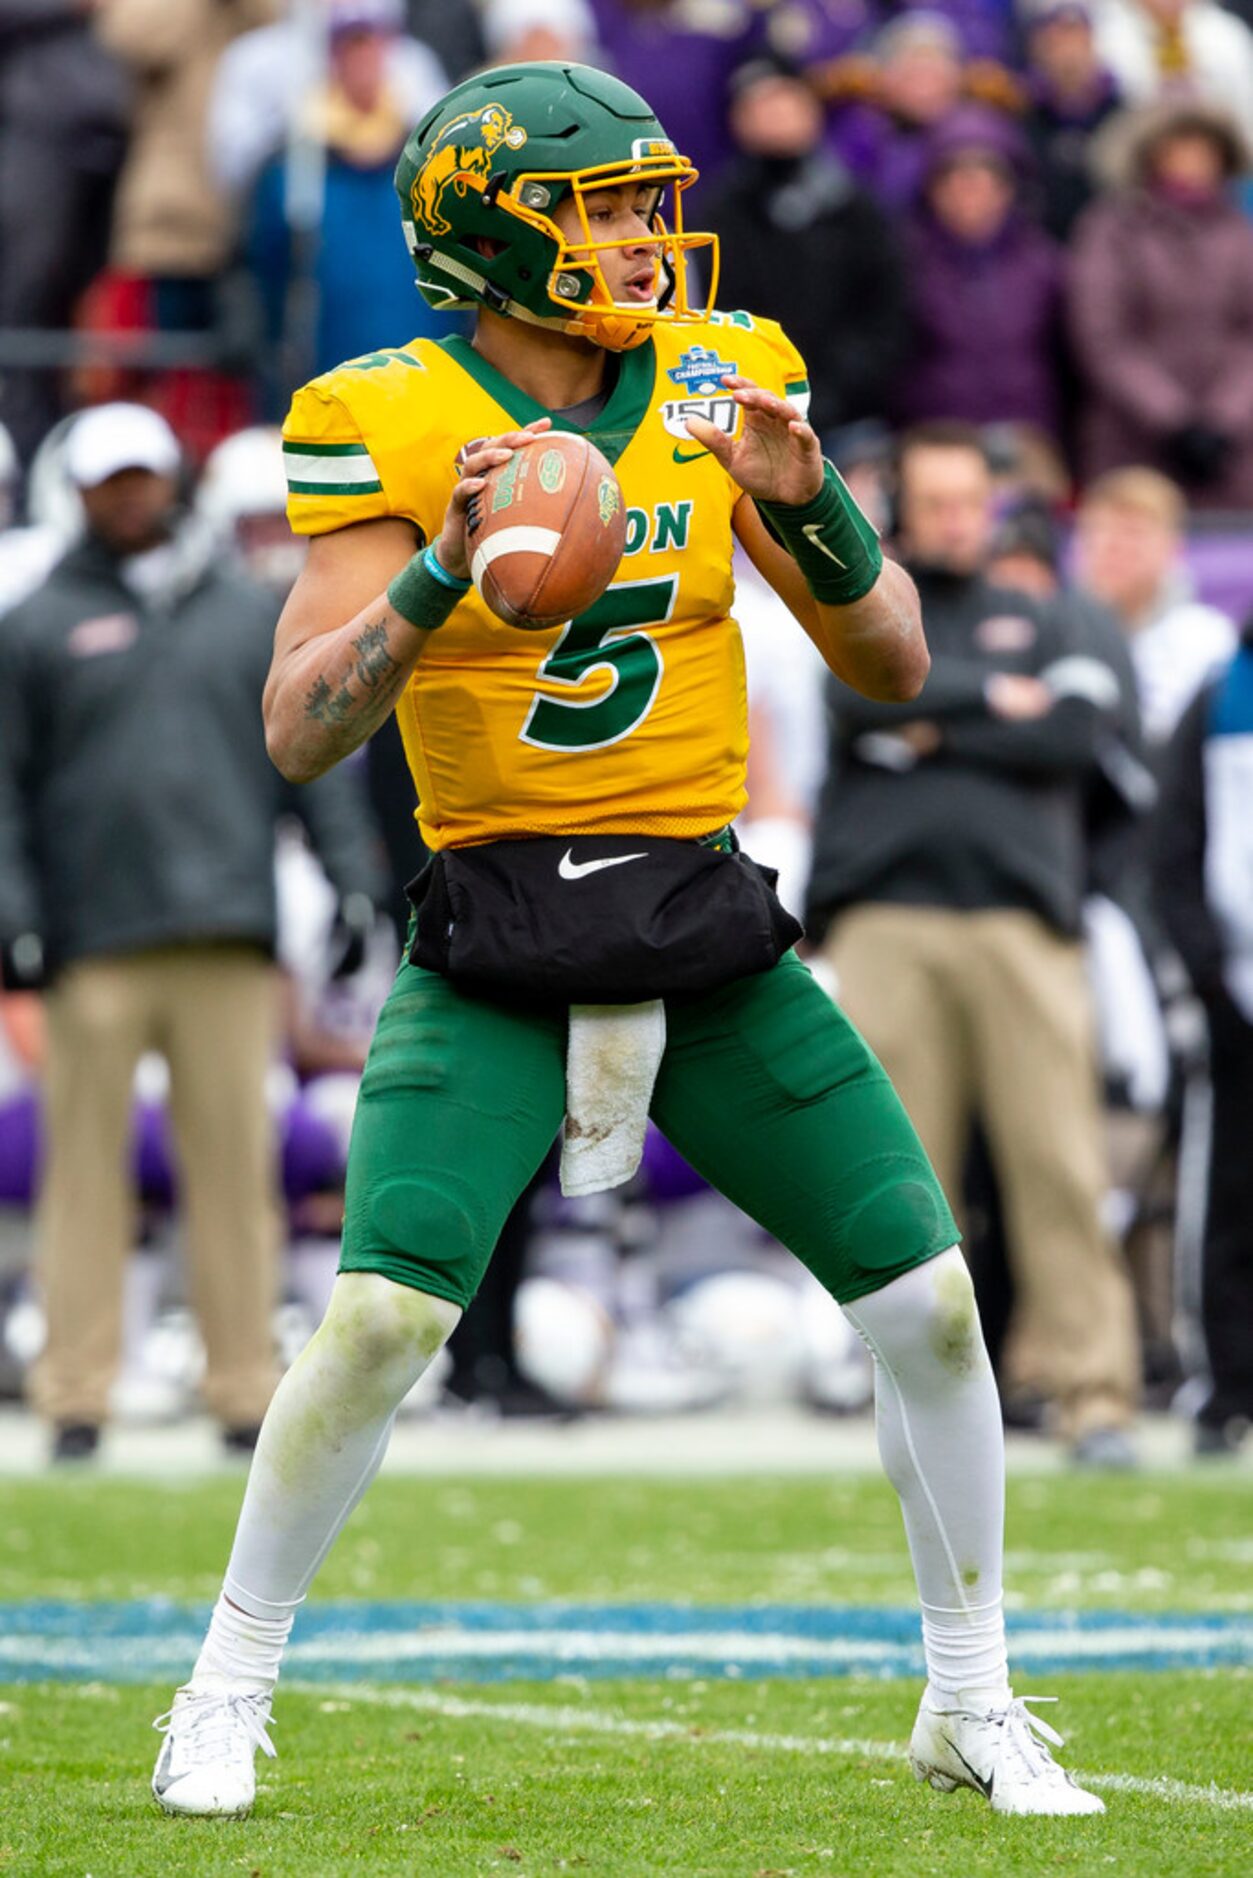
column 113, row 437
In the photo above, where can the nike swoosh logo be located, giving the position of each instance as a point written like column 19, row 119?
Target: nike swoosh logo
column 693, row 457
column 984, row 1786
column 570, row 869
column 812, row 532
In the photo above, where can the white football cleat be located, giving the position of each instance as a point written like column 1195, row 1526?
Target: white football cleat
column 1001, row 1752
column 205, row 1764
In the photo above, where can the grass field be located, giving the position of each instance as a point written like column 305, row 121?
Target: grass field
column 696, row 1765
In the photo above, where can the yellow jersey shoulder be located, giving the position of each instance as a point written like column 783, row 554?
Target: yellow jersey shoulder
column 340, row 435
column 696, row 357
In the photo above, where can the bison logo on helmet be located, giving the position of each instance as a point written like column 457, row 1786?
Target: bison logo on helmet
column 461, row 159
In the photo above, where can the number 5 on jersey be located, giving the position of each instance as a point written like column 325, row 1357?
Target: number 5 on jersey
column 608, row 637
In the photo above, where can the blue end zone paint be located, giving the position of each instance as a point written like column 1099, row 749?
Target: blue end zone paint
column 402, row 1642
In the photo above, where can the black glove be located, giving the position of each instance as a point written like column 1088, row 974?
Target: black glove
column 22, row 963
column 1197, row 454
column 349, row 936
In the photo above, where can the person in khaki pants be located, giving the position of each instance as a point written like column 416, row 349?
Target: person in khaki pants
column 948, row 872
column 211, row 1011
column 137, row 815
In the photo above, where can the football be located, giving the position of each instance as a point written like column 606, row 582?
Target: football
column 546, row 532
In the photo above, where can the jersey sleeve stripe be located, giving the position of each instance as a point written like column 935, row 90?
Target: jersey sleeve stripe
column 797, row 393
column 338, row 469
column 334, row 489
column 325, row 449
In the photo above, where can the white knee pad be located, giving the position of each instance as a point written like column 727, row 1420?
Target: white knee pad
column 373, row 1325
column 929, row 1315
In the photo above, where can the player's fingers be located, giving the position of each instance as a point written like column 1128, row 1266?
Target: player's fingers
column 518, row 439
column 508, row 441
column 465, row 492
column 766, row 404
column 490, row 456
column 753, row 397
column 710, row 436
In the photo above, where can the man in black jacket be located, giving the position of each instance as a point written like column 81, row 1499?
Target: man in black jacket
column 1203, row 876
column 137, row 814
column 949, row 866
column 803, row 243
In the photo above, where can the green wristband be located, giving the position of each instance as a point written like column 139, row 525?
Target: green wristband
column 834, row 545
column 422, row 597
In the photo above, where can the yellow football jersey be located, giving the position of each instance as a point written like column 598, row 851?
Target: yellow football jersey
column 631, row 719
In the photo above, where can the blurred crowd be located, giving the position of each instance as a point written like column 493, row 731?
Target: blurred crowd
column 1013, row 242
column 1028, row 213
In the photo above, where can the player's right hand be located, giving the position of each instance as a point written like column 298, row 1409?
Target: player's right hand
column 474, row 461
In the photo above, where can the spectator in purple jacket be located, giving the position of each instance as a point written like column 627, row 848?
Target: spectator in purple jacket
column 885, row 102
column 681, row 62
column 890, row 104
column 1161, row 306
column 985, row 282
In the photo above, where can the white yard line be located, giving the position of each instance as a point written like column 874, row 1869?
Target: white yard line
column 567, row 1720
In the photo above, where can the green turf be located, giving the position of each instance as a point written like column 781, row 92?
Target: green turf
column 379, row 1789
column 375, row 1786
column 1144, row 1542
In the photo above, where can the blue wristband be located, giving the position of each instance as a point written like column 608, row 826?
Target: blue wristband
column 436, row 567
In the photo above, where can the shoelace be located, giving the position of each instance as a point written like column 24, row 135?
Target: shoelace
column 207, row 1723
column 1025, row 1735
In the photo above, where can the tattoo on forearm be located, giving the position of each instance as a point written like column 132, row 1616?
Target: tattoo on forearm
column 326, row 706
column 375, row 664
column 379, row 674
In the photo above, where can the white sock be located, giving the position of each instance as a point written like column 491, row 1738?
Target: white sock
column 320, row 1446
column 241, row 1650
column 941, row 1440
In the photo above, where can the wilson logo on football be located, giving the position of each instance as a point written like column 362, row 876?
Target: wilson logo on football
column 509, row 481
column 460, row 160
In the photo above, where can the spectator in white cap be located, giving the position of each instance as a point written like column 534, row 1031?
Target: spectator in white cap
column 111, row 438
column 137, row 816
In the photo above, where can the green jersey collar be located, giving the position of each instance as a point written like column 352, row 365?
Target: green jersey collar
column 613, row 428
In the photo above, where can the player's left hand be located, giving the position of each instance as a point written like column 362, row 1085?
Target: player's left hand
column 776, row 457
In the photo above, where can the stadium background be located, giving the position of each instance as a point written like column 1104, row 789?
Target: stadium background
column 643, row 1492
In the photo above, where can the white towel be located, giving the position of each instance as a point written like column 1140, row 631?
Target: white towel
column 612, row 1057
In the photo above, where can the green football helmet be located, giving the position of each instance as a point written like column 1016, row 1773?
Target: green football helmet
column 480, row 175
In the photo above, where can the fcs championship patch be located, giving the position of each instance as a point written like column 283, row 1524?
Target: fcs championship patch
column 461, row 159
column 699, row 373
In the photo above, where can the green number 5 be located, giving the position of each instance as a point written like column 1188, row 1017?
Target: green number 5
column 605, row 638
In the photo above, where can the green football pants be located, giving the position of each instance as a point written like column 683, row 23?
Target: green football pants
column 765, row 1087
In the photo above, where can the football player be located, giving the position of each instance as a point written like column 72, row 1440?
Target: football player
column 549, row 199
